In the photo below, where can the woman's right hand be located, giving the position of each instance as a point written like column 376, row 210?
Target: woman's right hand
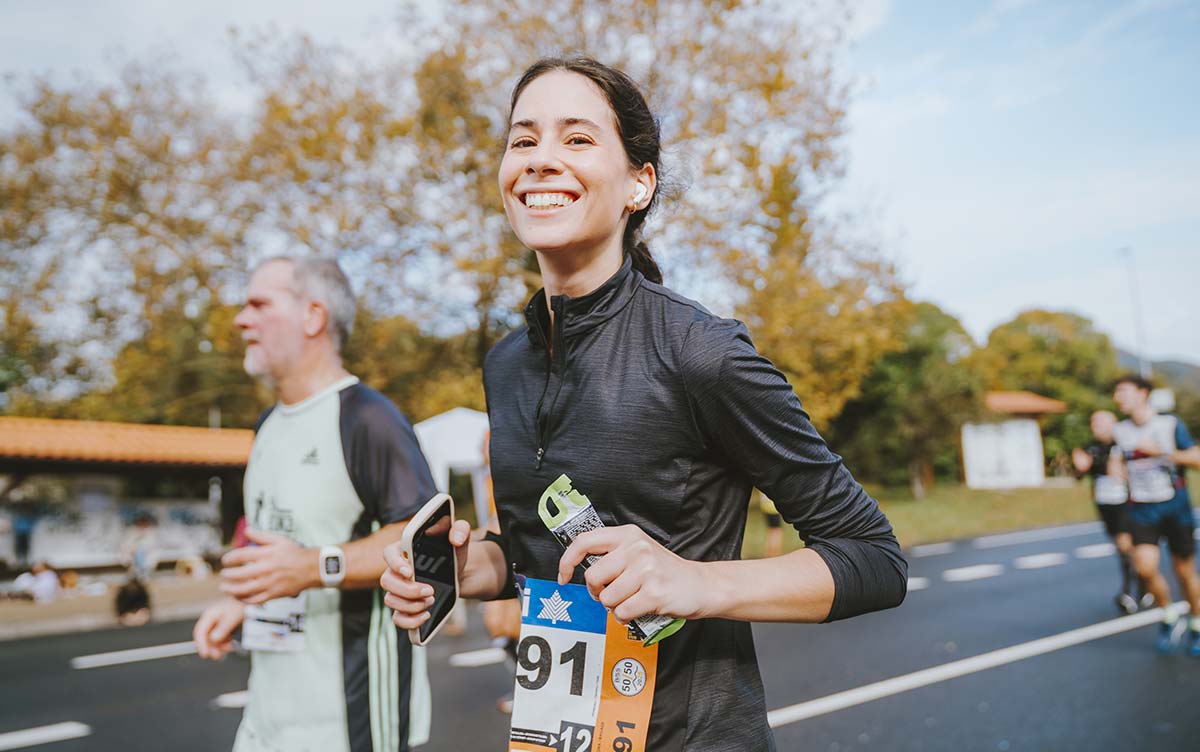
column 410, row 600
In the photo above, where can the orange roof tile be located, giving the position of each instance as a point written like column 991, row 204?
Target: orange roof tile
column 94, row 441
column 1023, row 403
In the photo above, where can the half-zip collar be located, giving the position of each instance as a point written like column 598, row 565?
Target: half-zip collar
column 575, row 316
column 572, row 317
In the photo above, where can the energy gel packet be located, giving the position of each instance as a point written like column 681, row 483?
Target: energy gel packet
column 567, row 513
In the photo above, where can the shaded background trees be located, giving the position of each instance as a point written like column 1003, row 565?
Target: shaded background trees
column 130, row 210
column 905, row 425
column 1059, row 355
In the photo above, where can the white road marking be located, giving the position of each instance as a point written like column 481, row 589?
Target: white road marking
column 473, row 658
column 930, row 549
column 1095, row 551
column 917, row 583
column 955, row 669
column 1041, row 534
column 976, row 572
column 235, row 700
column 172, row 650
column 32, row 737
column 1196, row 533
column 1040, row 561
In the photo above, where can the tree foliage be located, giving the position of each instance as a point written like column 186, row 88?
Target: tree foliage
column 907, row 420
column 1055, row 354
column 129, row 211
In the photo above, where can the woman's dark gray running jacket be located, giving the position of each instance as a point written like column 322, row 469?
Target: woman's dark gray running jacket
column 665, row 416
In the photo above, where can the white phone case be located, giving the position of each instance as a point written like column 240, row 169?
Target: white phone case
column 406, row 544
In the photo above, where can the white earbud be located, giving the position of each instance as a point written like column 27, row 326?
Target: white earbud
column 639, row 193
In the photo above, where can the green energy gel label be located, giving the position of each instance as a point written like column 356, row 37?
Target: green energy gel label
column 567, row 513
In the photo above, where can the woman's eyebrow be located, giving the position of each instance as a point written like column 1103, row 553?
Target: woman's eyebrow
column 562, row 122
column 569, row 121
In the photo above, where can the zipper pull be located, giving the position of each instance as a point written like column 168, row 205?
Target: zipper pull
column 540, row 453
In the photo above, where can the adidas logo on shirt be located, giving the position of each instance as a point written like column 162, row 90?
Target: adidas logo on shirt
column 310, row 458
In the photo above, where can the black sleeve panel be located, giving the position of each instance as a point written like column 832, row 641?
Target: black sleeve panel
column 383, row 457
column 747, row 413
column 263, row 418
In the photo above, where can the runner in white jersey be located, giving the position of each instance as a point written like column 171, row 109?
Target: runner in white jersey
column 334, row 471
column 1111, row 496
column 1155, row 450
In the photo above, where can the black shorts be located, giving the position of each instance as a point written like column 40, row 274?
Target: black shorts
column 1115, row 518
column 774, row 520
column 1173, row 520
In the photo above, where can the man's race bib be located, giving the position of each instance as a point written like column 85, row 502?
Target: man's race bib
column 277, row 625
column 1110, row 490
column 1150, row 480
column 583, row 684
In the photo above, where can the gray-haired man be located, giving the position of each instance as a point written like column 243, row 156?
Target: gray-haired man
column 334, row 471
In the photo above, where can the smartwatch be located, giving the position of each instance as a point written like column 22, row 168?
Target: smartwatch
column 333, row 566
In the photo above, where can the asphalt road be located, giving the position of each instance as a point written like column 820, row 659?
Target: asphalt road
column 968, row 599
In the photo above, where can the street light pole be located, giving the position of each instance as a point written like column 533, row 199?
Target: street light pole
column 1139, row 329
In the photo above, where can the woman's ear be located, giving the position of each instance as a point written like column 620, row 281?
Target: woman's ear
column 643, row 189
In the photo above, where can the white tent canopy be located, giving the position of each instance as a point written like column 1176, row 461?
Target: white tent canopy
column 453, row 442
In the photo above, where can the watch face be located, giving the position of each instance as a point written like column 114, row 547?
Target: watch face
column 333, row 565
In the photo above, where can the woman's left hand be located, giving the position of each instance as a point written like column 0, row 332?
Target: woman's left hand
column 636, row 575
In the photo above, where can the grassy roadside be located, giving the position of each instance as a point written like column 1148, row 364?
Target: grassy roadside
column 954, row 511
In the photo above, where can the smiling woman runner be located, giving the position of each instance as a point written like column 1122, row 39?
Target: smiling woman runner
column 624, row 394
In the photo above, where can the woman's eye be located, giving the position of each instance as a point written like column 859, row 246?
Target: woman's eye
column 522, row 143
column 579, row 140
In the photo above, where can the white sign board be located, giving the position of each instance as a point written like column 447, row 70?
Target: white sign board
column 1003, row 455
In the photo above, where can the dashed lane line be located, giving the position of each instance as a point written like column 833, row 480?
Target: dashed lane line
column 955, row 669
column 975, row 572
column 1041, row 534
column 1040, row 561
column 33, row 737
column 1095, row 551
column 473, row 658
column 930, row 549
column 917, row 583
column 233, row 700
column 154, row 652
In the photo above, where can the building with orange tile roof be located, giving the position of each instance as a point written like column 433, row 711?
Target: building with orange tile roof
column 1005, row 450
column 110, row 472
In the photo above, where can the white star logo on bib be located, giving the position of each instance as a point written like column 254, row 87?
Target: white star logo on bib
column 555, row 608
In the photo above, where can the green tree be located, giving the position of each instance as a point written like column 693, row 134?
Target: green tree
column 135, row 206
column 185, row 369
column 1055, row 354
column 751, row 108
column 423, row 374
column 114, row 211
column 908, row 417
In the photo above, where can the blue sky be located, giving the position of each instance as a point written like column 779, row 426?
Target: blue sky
column 1004, row 149
column 1010, row 148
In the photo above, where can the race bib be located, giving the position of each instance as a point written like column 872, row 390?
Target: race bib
column 1150, row 480
column 583, row 684
column 1110, row 490
column 276, row 626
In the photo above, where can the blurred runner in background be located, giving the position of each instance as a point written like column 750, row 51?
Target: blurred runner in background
column 1111, row 496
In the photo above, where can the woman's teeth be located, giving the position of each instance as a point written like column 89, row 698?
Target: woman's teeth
column 547, row 200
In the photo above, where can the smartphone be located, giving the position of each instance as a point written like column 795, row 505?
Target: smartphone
column 426, row 546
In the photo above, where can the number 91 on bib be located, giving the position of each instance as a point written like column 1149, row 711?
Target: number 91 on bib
column 583, row 684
